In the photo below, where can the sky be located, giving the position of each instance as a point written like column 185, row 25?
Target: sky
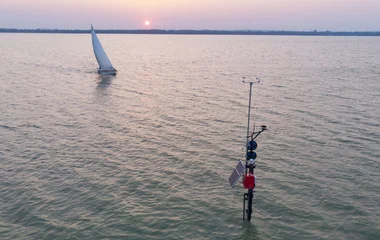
column 298, row 15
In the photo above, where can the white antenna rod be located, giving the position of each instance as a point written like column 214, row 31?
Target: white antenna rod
column 249, row 105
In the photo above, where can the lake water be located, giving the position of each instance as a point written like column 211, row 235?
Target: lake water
column 147, row 154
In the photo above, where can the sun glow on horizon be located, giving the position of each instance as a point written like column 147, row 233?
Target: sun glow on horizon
column 147, row 23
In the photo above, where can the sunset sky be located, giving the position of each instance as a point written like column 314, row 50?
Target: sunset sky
column 321, row 15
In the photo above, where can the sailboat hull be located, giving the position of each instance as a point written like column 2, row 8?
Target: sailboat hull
column 107, row 71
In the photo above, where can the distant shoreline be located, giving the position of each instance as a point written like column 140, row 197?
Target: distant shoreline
column 194, row 32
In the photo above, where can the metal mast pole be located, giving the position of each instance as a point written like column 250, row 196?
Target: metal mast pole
column 249, row 118
column 249, row 195
column 250, row 165
column 249, row 108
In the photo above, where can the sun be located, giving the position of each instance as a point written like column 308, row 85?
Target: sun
column 147, row 23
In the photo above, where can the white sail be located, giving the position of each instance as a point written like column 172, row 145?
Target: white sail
column 101, row 56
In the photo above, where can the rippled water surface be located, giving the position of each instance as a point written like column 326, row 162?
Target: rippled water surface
column 147, row 154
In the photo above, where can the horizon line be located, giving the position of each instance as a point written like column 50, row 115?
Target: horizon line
column 194, row 31
column 189, row 29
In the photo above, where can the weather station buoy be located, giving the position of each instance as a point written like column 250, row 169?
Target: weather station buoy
column 247, row 170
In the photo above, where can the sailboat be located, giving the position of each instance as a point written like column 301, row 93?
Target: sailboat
column 105, row 65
